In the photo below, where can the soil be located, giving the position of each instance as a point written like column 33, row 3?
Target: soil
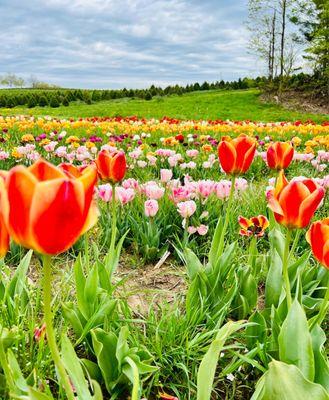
column 152, row 284
column 297, row 101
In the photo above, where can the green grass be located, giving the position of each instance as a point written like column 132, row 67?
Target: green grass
column 233, row 105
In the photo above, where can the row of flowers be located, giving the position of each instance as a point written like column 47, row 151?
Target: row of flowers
column 142, row 157
column 128, row 132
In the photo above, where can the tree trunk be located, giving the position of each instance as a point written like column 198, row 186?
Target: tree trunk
column 283, row 31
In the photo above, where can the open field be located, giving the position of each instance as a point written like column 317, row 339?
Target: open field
column 169, row 294
column 233, row 105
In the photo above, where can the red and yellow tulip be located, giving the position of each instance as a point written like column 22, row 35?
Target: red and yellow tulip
column 279, row 155
column 46, row 210
column 318, row 237
column 111, row 165
column 236, row 155
column 294, row 203
column 254, row 226
column 4, row 236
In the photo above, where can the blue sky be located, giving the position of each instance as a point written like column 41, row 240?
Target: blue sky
column 125, row 43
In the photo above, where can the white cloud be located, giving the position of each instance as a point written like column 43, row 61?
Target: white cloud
column 125, row 42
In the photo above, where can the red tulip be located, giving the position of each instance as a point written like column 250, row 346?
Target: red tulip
column 279, row 155
column 48, row 211
column 111, row 166
column 236, row 155
column 4, row 236
column 295, row 203
column 318, row 237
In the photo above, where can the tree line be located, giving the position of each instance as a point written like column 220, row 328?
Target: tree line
column 54, row 97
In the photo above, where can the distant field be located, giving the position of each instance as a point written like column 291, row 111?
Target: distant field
column 234, row 105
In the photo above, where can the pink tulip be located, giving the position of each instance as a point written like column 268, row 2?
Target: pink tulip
column 186, row 208
column 151, row 207
column 105, row 192
column 124, row 195
column 202, row 230
column 153, row 191
column 166, row 175
column 191, row 230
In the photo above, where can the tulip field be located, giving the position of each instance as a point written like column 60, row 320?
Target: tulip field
column 163, row 259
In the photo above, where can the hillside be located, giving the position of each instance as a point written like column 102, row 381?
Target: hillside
column 233, row 105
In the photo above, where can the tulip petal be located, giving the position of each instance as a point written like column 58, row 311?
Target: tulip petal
column 288, row 156
column 245, row 223
column 4, row 209
column 317, row 236
column 309, row 206
column 57, row 215
column 227, row 156
column 91, row 219
column 118, row 167
column 290, row 200
column 248, row 158
column 44, row 171
column 70, row 170
column 20, row 189
column 271, row 157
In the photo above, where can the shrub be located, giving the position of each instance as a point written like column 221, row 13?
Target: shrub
column 148, row 95
column 54, row 102
column 66, row 102
column 31, row 102
column 86, row 97
column 43, row 102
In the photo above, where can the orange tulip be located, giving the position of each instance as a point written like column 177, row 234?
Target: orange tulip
column 294, row 203
column 71, row 170
column 254, row 226
column 4, row 236
column 236, row 155
column 279, row 155
column 318, row 237
column 47, row 210
column 111, row 166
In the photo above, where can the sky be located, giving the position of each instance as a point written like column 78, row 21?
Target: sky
column 125, row 43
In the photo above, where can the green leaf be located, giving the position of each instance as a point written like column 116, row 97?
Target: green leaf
column 213, row 253
column 122, row 349
column 320, row 359
column 74, row 369
column 286, row 382
column 35, row 395
column 256, row 330
column 274, row 281
column 131, row 371
column 80, row 282
column 17, row 375
column 72, row 317
column 207, row 368
column 17, row 282
column 277, row 241
column 295, row 342
column 91, row 291
column 193, row 263
column 105, row 344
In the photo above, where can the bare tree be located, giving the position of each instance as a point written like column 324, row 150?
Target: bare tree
column 262, row 24
column 12, row 80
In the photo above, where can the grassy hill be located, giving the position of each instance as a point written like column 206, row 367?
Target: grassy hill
column 234, row 105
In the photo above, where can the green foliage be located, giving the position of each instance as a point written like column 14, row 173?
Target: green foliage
column 54, row 102
column 286, row 382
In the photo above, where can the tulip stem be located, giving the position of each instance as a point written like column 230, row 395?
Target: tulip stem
column 285, row 271
column 323, row 309
column 51, row 339
column 227, row 216
column 113, row 220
